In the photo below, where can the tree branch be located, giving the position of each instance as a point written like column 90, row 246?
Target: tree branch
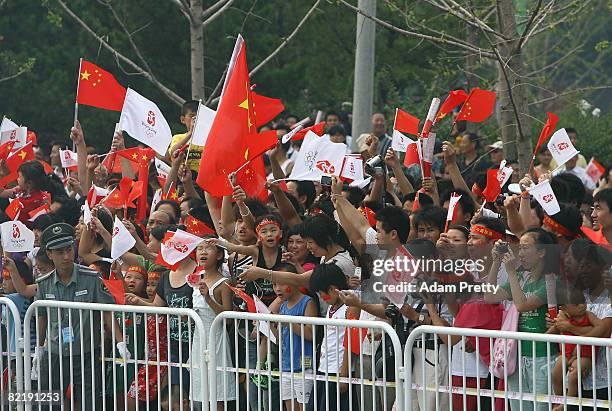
column 465, row 17
column 528, row 26
column 220, row 7
column 579, row 90
column 12, row 76
column 183, row 8
column 472, row 48
column 287, row 39
column 169, row 93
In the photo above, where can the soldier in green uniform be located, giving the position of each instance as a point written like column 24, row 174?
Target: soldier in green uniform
column 68, row 347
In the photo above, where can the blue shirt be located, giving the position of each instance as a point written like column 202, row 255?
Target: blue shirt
column 294, row 340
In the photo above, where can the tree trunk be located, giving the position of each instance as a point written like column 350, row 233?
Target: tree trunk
column 196, row 35
column 514, row 116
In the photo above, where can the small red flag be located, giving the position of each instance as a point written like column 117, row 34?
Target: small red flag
column 266, row 108
column 116, row 289
column 260, row 143
column 37, row 212
column 13, row 209
column 357, row 335
column 5, row 149
column 547, row 130
column 252, row 179
column 99, row 88
column 197, row 227
column 247, row 298
column 595, row 170
column 478, row 106
column 113, row 199
column 318, row 129
column 406, row 123
column 412, row 155
column 454, row 98
column 493, row 189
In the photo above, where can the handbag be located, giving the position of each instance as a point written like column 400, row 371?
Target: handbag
column 505, row 351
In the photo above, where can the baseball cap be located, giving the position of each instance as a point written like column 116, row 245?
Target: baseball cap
column 498, row 145
column 57, row 236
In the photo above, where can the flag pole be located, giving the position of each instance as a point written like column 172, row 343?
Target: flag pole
column 76, row 104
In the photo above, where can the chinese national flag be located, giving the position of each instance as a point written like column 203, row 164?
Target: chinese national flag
column 15, row 159
column 197, row 227
column 454, row 98
column 406, row 123
column 113, row 199
column 252, row 179
column 493, row 189
column 13, row 209
column 478, row 106
column 548, row 128
column 266, row 108
column 260, row 143
column 5, row 149
column 112, row 161
column 227, row 144
column 98, row 88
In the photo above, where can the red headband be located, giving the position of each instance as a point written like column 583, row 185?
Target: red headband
column 558, row 228
column 487, row 232
column 137, row 269
column 153, row 276
column 264, row 222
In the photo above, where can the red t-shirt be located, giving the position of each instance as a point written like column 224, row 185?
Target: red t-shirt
column 585, row 350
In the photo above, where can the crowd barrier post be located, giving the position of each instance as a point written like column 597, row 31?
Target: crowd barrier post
column 11, row 357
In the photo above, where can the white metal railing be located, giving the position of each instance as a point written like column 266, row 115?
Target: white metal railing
column 100, row 367
column 11, row 355
column 517, row 399
column 363, row 386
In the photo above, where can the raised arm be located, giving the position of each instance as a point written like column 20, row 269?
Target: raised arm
column 76, row 133
column 285, row 207
column 515, row 222
column 393, row 163
column 450, row 165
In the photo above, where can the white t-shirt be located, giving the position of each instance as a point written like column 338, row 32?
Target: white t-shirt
column 601, row 308
column 344, row 261
column 471, row 360
column 332, row 346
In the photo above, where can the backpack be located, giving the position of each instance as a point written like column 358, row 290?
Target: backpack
column 505, row 350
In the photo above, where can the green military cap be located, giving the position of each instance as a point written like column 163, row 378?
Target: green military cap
column 57, row 236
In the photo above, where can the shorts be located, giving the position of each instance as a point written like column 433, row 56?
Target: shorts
column 299, row 389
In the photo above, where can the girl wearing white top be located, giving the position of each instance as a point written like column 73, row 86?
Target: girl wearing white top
column 211, row 299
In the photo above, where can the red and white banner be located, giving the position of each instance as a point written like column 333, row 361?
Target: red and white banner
column 122, row 241
column 452, row 207
column 16, row 237
column 543, row 193
column 178, row 245
column 352, row 168
column 68, row 159
column 17, row 135
column 595, row 170
column 95, row 195
column 143, row 120
column 504, row 173
column 318, row 157
column 561, row 147
column 400, row 142
column 37, row 212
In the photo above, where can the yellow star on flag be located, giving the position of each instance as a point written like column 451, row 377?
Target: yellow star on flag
column 245, row 105
column 85, row 75
column 22, row 154
column 246, row 154
column 174, row 195
column 144, row 157
column 135, row 156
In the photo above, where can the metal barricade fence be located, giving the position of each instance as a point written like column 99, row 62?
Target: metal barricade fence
column 454, row 376
column 295, row 360
column 81, row 364
column 11, row 355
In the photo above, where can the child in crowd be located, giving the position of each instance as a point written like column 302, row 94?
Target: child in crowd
column 296, row 345
column 573, row 311
column 329, row 282
column 31, row 181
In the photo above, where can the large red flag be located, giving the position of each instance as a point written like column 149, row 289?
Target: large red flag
column 99, row 88
column 260, row 143
column 266, row 108
column 227, row 143
column 454, row 98
column 478, row 106
column 406, row 123
column 547, row 130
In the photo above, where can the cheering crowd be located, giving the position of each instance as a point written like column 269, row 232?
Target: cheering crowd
column 308, row 249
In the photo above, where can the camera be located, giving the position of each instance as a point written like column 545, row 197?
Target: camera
column 499, row 201
column 374, row 165
column 392, row 313
column 502, row 247
column 326, row 182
